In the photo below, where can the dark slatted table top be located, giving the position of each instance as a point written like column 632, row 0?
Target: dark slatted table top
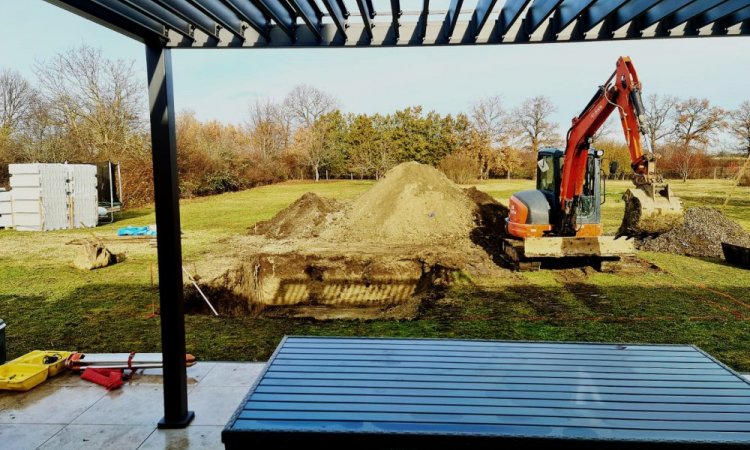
column 419, row 393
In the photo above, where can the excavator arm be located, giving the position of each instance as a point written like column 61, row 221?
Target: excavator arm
column 622, row 91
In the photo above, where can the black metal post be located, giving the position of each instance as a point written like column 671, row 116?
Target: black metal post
column 167, row 200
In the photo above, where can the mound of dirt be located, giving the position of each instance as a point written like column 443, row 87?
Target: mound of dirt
column 412, row 204
column 701, row 235
column 305, row 218
column 375, row 257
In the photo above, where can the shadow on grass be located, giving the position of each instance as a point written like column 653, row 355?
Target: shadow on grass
column 115, row 318
column 133, row 213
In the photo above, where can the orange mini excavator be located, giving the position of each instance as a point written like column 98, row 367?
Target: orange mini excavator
column 562, row 216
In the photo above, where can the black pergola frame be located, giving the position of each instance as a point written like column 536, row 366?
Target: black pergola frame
column 166, row 24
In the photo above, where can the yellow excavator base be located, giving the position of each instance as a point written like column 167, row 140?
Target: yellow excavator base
column 650, row 209
column 563, row 247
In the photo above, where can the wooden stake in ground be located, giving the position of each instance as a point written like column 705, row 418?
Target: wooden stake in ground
column 737, row 182
column 153, row 303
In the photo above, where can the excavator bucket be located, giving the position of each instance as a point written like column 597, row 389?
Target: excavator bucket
column 650, row 210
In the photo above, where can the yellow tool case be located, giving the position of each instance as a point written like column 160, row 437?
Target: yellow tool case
column 31, row 369
column 21, row 377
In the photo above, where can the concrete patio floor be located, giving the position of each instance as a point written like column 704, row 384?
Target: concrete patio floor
column 66, row 412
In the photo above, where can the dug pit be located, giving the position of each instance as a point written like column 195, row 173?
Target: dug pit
column 377, row 256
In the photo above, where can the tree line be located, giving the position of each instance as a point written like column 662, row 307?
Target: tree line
column 84, row 107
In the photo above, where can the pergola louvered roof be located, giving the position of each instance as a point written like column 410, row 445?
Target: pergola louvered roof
column 389, row 23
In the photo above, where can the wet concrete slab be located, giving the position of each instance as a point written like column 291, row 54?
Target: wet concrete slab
column 69, row 413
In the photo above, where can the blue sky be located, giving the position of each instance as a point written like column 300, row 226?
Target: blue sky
column 220, row 84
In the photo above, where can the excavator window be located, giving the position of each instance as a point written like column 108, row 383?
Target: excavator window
column 546, row 173
column 588, row 200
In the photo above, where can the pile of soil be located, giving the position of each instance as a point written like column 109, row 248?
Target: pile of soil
column 412, row 204
column 375, row 257
column 701, row 234
column 305, row 218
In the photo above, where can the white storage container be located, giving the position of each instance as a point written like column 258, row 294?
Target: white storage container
column 6, row 210
column 53, row 196
column 83, row 195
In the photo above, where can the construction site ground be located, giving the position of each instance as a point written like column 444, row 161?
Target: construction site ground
column 47, row 303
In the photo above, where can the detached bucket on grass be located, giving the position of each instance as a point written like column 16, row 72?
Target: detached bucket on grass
column 94, row 255
column 736, row 255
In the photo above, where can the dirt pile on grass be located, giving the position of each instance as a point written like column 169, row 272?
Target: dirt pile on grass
column 701, row 234
column 412, row 204
column 375, row 257
column 305, row 218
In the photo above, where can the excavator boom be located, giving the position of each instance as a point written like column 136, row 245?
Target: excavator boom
column 650, row 207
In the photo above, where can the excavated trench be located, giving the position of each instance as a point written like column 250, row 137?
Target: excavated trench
column 324, row 286
column 376, row 257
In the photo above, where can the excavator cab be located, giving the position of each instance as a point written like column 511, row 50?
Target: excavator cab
column 533, row 212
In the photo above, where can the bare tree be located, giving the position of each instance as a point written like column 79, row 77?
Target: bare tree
column 684, row 160
column 697, row 122
column 95, row 102
column 740, row 126
column 532, row 121
column 305, row 104
column 16, row 98
column 489, row 118
column 269, row 128
column 659, row 111
column 321, row 144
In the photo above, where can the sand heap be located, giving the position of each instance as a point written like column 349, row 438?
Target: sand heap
column 377, row 256
column 414, row 204
column 701, row 235
column 305, row 218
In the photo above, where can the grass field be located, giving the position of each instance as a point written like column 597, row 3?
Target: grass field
column 48, row 304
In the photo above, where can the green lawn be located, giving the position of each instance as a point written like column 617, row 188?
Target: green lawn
column 48, row 304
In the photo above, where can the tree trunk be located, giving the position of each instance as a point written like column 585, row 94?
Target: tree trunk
column 317, row 174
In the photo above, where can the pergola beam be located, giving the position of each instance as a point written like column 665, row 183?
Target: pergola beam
column 568, row 11
column 509, row 14
column 395, row 15
column 481, row 14
column 719, row 12
column 365, row 9
column 222, row 15
column 168, row 239
column 103, row 14
column 162, row 15
column 451, row 17
column 538, row 12
column 334, row 9
column 662, row 10
column 629, row 12
column 689, row 12
column 185, row 10
column 277, row 24
column 309, row 15
column 737, row 17
column 598, row 12
column 280, row 15
column 251, row 14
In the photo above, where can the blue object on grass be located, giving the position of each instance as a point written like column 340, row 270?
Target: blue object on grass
column 136, row 231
